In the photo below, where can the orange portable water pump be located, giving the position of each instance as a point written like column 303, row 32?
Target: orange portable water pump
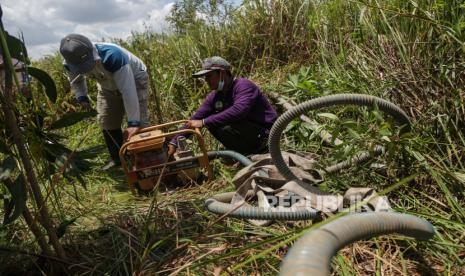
column 144, row 157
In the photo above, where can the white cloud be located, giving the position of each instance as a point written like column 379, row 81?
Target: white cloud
column 43, row 23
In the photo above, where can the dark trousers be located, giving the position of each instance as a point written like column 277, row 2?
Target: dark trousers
column 243, row 136
column 113, row 140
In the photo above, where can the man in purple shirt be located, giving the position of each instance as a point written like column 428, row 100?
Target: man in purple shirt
column 236, row 113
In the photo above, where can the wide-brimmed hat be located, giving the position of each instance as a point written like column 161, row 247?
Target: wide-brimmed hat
column 212, row 64
column 77, row 50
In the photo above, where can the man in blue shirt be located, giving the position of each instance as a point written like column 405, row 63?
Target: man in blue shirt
column 122, row 82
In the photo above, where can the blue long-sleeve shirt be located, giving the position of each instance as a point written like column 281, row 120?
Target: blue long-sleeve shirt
column 243, row 101
column 115, row 69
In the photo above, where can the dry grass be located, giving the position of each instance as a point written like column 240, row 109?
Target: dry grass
column 408, row 52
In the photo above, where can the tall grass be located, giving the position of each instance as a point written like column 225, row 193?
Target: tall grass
column 410, row 52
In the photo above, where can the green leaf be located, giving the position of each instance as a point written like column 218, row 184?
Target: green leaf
column 385, row 138
column 7, row 166
column 17, row 48
column 77, row 164
column 18, row 193
column 61, row 229
column 350, row 123
column 460, row 176
column 91, row 152
column 330, row 116
column 353, row 133
column 4, row 148
column 307, row 86
column 348, row 149
column 72, row 118
column 293, row 124
column 46, row 81
column 385, row 132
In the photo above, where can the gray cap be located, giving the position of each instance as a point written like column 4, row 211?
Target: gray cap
column 77, row 51
column 212, row 64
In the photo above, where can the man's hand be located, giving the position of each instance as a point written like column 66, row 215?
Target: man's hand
column 129, row 132
column 171, row 149
column 86, row 106
column 195, row 123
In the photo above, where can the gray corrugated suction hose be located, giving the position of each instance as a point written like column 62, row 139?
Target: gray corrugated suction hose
column 312, row 254
column 219, row 204
column 229, row 153
column 357, row 159
column 333, row 100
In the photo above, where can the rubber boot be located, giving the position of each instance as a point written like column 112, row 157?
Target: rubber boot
column 113, row 140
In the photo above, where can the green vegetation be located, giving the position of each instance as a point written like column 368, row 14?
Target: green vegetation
column 408, row 52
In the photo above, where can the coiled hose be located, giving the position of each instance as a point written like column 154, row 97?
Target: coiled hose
column 219, row 205
column 326, row 101
column 312, row 254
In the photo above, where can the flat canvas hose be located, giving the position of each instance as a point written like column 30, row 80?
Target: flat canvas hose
column 220, row 204
column 340, row 99
column 312, row 254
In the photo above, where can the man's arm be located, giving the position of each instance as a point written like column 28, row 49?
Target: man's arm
column 124, row 79
column 78, row 84
column 205, row 109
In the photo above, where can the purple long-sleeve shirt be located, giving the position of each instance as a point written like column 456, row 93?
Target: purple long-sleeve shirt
column 244, row 101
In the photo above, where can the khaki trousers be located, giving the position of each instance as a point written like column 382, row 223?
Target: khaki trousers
column 110, row 106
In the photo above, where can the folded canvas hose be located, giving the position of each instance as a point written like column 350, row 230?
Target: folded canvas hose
column 312, row 254
column 300, row 184
column 261, row 176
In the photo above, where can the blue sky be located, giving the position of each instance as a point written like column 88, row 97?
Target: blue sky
column 44, row 22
